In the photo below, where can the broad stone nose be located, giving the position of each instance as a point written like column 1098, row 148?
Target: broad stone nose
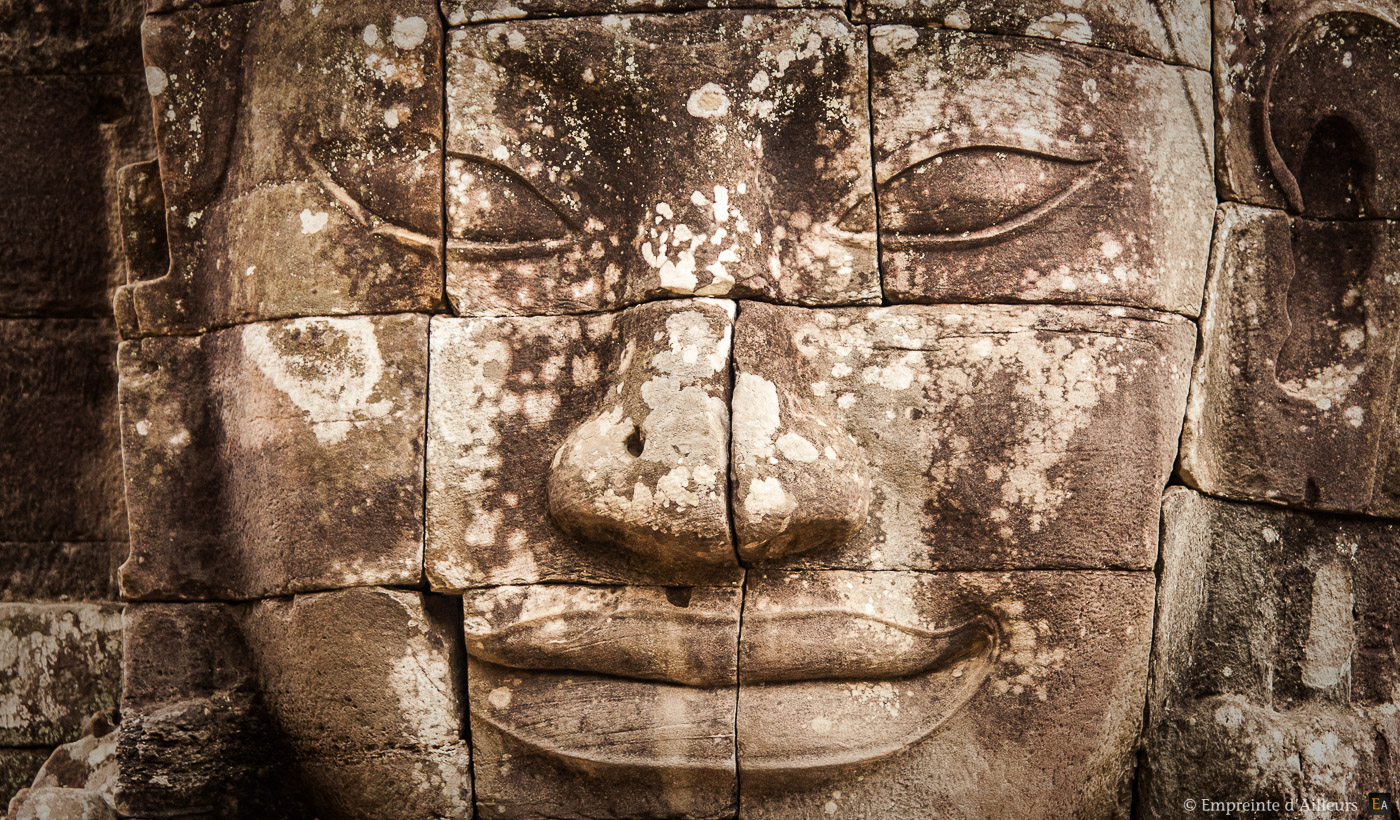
column 648, row 471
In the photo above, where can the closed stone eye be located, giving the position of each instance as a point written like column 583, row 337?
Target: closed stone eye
column 379, row 180
column 490, row 207
column 977, row 193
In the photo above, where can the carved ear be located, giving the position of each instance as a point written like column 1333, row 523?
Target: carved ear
column 1331, row 97
column 195, row 68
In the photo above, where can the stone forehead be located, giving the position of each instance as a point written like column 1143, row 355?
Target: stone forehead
column 561, row 192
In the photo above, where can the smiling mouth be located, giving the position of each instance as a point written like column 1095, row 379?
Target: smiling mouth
column 642, row 682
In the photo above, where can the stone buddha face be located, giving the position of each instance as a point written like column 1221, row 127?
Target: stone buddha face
column 774, row 408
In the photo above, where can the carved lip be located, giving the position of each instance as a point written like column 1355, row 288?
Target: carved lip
column 652, row 639
column 875, row 685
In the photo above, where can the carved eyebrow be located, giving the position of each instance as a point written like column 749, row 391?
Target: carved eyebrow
column 928, row 146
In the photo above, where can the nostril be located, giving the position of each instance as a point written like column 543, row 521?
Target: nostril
column 679, row 596
column 634, row 442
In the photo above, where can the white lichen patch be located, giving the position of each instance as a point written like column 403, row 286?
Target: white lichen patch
column 409, row 32
column 1326, row 387
column 330, row 369
column 1068, row 26
column 707, row 102
column 313, row 222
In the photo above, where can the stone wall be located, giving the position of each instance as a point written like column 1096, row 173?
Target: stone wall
column 71, row 90
column 1136, row 506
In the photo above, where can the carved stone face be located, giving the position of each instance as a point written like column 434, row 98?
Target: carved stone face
column 786, row 403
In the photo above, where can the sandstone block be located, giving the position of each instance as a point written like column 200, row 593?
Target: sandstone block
column 898, row 694
column 364, row 684
column 195, row 738
column 1308, row 97
column 341, row 704
column 62, row 663
column 1177, row 31
column 676, row 156
column 459, row 12
column 1293, row 396
column 657, row 668
column 995, row 437
column 83, row 570
column 69, row 135
column 59, row 440
column 77, row 780
column 1008, row 170
column 70, row 37
column 275, row 457
column 296, row 144
column 70, row 804
column 564, row 744
column 1275, row 664
column 589, row 449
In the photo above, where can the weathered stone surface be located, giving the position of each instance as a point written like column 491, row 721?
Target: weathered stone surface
column 564, row 189
column 564, row 744
column 1275, row 669
column 996, row 437
column 1293, row 396
column 459, row 12
column 1011, row 170
column 341, row 704
column 70, row 37
column 70, row 804
column 364, row 685
column 275, row 457
column 59, row 663
column 59, row 440
column 590, row 448
column 84, row 570
column 195, row 740
column 67, row 137
column 894, row 694
column 1177, row 31
column 683, row 635
column 657, row 668
column 300, row 152
column 1309, row 96
column 77, row 781
column 141, row 214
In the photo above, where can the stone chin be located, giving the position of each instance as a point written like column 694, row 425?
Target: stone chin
column 822, row 687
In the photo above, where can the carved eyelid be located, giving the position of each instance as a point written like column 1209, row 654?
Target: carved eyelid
column 922, row 149
column 488, row 249
column 918, row 154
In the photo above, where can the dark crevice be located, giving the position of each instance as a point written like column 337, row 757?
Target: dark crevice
column 635, row 443
column 1151, row 313
column 442, row 154
column 734, row 539
column 679, row 596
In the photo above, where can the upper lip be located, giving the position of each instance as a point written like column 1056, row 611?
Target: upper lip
column 646, row 637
